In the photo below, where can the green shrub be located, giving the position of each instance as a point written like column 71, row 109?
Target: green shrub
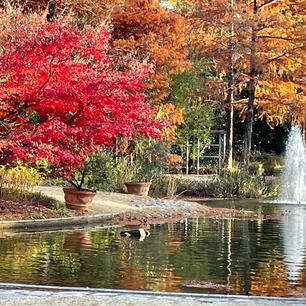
column 102, row 172
column 123, row 172
column 241, row 184
column 272, row 164
column 99, row 173
column 256, row 168
column 55, row 181
column 147, row 163
column 148, row 160
column 273, row 170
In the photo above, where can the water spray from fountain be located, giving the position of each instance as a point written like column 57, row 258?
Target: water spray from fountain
column 293, row 187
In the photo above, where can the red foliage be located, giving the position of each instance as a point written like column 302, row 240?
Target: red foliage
column 62, row 96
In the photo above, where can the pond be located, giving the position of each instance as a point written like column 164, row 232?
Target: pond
column 209, row 255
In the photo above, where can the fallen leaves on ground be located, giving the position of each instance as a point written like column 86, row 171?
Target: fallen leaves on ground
column 26, row 209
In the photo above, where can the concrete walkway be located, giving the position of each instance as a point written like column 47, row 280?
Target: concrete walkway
column 103, row 202
column 104, row 206
column 28, row 295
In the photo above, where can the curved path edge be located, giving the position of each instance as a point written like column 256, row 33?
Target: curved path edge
column 32, row 291
column 56, row 223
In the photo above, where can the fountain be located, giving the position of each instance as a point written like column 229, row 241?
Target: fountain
column 293, row 191
column 293, row 187
column 293, row 225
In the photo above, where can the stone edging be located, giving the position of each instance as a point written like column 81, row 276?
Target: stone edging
column 203, row 297
column 56, row 222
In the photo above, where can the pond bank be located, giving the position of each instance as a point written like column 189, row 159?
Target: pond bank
column 110, row 208
column 126, row 209
column 28, row 295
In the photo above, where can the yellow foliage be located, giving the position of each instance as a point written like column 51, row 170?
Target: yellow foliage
column 18, row 178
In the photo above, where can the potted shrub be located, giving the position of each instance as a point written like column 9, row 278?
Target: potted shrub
column 146, row 162
column 77, row 197
column 140, row 180
column 98, row 173
column 138, row 188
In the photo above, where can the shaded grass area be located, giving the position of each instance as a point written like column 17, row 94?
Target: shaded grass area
column 21, row 205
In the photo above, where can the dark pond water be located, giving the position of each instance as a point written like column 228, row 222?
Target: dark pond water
column 236, row 256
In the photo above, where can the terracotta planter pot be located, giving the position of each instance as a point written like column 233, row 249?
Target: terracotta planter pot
column 140, row 189
column 78, row 199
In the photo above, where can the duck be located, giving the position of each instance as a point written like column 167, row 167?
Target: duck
column 142, row 232
column 137, row 233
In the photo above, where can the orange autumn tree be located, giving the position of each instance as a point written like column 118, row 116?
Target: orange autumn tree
column 216, row 29
column 260, row 45
column 275, row 56
column 300, row 73
column 152, row 32
column 87, row 11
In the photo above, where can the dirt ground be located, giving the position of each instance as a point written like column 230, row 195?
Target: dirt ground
column 155, row 215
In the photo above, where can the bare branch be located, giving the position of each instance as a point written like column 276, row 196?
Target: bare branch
column 49, row 76
column 51, row 11
column 277, row 37
column 240, row 101
column 268, row 3
column 282, row 54
column 72, row 183
column 262, row 27
column 15, row 112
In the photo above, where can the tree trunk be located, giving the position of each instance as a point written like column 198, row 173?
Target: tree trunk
column 229, row 132
column 198, row 156
column 51, row 11
column 249, row 123
column 251, row 91
column 187, row 156
column 230, row 97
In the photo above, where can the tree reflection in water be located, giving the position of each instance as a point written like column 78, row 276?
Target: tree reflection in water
column 257, row 257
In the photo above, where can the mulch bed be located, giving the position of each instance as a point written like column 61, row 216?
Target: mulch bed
column 16, row 210
column 25, row 210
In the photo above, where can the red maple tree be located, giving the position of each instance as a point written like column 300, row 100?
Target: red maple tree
column 62, row 96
